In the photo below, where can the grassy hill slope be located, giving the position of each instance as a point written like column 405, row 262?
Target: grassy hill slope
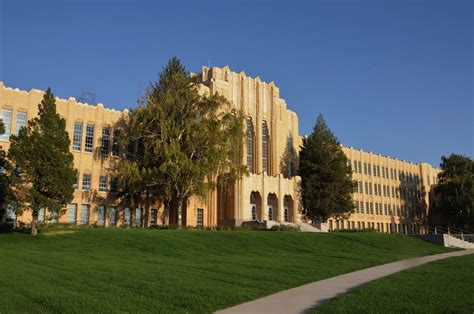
column 110, row 270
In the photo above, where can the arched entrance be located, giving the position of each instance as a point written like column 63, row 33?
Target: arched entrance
column 255, row 206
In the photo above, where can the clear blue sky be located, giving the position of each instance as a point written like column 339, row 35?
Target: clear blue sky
column 392, row 77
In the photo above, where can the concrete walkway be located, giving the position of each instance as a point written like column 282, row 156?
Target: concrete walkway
column 303, row 298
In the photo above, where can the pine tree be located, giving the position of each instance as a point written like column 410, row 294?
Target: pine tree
column 326, row 181
column 45, row 165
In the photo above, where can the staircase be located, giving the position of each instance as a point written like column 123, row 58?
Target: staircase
column 450, row 237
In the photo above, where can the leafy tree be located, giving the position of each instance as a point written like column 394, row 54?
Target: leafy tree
column 455, row 190
column 326, row 181
column 181, row 143
column 45, row 165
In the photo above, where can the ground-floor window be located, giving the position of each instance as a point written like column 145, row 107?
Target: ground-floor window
column 41, row 215
column 254, row 212
column 138, row 217
column 199, row 220
column 85, row 209
column 112, row 216
column 270, row 213
column 71, row 213
column 352, row 225
column 153, row 216
column 128, row 217
column 285, row 214
column 101, row 215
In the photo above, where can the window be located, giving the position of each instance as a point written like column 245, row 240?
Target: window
column 86, row 182
column 368, row 170
column 20, row 121
column 128, row 217
column 89, row 145
column 385, row 209
column 77, row 137
column 290, row 152
column 378, row 171
column 153, row 216
column 116, row 143
column 112, row 216
column 361, row 188
column 355, row 166
column 375, row 170
column 270, row 213
column 365, row 168
column 85, row 209
column 71, row 213
column 285, row 214
column 367, row 208
column 103, row 183
column 199, row 218
column 7, row 123
column 113, row 184
column 393, row 191
column 370, row 188
column 391, row 173
column 138, row 217
column 41, row 215
column 265, row 147
column 250, row 153
column 104, row 149
column 254, row 212
column 376, row 208
column 101, row 215
column 371, row 208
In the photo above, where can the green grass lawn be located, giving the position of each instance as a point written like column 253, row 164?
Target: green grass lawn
column 445, row 286
column 111, row 270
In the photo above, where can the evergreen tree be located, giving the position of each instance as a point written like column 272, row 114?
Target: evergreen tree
column 180, row 142
column 326, row 181
column 455, row 190
column 6, row 196
column 45, row 165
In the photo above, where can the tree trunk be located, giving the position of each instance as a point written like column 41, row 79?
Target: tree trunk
column 34, row 223
column 174, row 211
column 184, row 211
column 146, row 213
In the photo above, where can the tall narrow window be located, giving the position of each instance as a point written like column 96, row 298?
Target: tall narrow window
column 355, row 166
column 85, row 214
column 103, row 183
column 112, row 216
column 104, row 149
column 101, row 215
column 250, row 152
column 89, row 145
column 290, row 156
column 77, row 137
column 113, row 184
column 86, row 182
column 128, row 216
column 153, row 216
column 199, row 221
column 71, row 213
column 264, row 147
column 20, row 121
column 7, row 123
column 359, row 168
column 116, row 143
column 138, row 217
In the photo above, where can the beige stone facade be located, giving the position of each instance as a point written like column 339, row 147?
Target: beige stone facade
column 265, row 194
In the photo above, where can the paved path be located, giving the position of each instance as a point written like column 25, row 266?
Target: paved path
column 303, row 298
